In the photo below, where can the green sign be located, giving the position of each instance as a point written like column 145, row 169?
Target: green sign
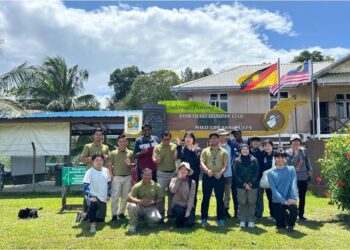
column 177, row 107
column 73, row 175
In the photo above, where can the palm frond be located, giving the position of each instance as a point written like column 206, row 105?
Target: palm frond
column 10, row 108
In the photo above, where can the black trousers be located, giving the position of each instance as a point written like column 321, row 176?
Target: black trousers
column 302, row 188
column 234, row 194
column 179, row 213
column 97, row 211
column 196, row 179
column 139, row 174
column 208, row 184
column 284, row 214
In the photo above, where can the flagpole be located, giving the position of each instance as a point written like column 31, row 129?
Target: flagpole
column 312, row 101
column 279, row 97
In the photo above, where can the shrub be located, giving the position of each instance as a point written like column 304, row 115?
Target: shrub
column 335, row 167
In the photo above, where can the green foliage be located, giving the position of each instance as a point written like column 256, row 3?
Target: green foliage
column 121, row 80
column 151, row 88
column 188, row 75
column 315, row 56
column 56, row 87
column 335, row 167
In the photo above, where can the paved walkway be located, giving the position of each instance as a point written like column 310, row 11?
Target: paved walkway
column 45, row 186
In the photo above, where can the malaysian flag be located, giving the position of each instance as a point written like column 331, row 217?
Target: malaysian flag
column 299, row 75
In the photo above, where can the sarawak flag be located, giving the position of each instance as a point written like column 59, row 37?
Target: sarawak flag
column 262, row 78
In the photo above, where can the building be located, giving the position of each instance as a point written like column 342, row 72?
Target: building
column 331, row 87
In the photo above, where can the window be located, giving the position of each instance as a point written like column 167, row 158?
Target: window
column 342, row 105
column 219, row 100
column 274, row 99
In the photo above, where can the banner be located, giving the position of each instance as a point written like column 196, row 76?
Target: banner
column 133, row 123
column 176, row 107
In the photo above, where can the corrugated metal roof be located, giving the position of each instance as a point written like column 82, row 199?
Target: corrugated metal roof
column 77, row 114
column 228, row 79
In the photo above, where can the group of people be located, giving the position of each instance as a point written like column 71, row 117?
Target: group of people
column 229, row 167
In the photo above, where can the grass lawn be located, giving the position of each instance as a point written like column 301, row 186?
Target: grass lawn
column 327, row 228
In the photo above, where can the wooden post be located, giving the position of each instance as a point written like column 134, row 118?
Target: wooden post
column 34, row 163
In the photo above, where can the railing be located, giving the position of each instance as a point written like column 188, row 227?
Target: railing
column 332, row 124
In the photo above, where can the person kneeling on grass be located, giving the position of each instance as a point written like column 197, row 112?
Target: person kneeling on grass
column 184, row 190
column 145, row 200
column 283, row 184
column 97, row 191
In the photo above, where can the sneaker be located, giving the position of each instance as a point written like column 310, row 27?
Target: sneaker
column 114, row 218
column 92, row 230
column 204, row 222
column 290, row 229
column 302, row 218
column 242, row 224
column 221, row 223
column 121, row 216
column 251, row 224
column 227, row 214
column 78, row 217
column 271, row 218
column 132, row 229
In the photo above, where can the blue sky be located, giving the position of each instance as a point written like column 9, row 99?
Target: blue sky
column 102, row 36
column 317, row 23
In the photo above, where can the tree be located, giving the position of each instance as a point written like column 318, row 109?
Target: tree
column 56, row 87
column 188, row 75
column 151, row 88
column 315, row 56
column 15, row 77
column 121, row 81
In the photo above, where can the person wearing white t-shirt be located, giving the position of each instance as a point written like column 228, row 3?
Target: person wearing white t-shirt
column 97, row 191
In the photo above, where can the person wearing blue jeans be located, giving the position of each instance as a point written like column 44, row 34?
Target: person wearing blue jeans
column 213, row 165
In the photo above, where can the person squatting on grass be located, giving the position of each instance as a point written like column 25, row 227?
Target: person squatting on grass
column 184, row 190
column 213, row 165
column 144, row 200
column 97, row 191
column 283, row 184
column 119, row 164
column 247, row 175
column 190, row 153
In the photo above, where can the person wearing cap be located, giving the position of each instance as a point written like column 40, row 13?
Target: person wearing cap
column 223, row 134
column 145, row 199
column 259, row 155
column 297, row 157
column 143, row 151
column 183, row 189
column 213, row 165
column 247, row 175
column 235, row 145
column 120, row 163
column 164, row 156
column 190, row 152
column 282, row 181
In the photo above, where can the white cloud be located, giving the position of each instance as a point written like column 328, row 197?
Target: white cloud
column 216, row 36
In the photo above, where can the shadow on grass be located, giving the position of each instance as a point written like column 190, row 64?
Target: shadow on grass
column 295, row 235
column 311, row 224
column 84, row 226
column 342, row 219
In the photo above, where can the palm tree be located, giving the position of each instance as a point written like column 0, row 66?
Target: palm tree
column 14, row 78
column 56, row 87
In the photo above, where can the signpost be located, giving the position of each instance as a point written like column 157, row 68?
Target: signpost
column 71, row 176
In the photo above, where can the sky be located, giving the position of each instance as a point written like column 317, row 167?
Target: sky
column 104, row 35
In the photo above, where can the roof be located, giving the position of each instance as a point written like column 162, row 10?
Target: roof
column 227, row 79
column 72, row 116
column 75, row 114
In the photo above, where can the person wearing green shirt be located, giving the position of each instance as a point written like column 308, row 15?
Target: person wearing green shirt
column 144, row 200
column 119, row 165
column 92, row 148
column 164, row 156
column 213, row 165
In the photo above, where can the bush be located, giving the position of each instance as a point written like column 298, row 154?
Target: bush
column 335, row 167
